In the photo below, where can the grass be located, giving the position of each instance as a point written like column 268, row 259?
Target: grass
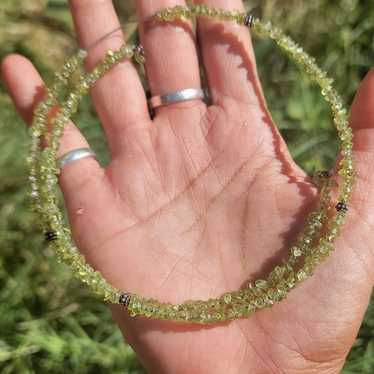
column 48, row 321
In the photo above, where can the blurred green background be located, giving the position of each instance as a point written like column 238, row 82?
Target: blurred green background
column 48, row 321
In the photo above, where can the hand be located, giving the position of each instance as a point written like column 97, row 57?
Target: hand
column 201, row 199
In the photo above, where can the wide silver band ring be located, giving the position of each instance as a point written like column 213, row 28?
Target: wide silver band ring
column 176, row 97
column 75, row 155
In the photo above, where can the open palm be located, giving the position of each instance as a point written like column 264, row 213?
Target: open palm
column 200, row 200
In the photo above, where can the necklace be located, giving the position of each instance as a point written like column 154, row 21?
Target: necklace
column 313, row 244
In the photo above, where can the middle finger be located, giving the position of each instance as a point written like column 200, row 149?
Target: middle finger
column 119, row 96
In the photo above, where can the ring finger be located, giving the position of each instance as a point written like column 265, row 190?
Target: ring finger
column 171, row 57
column 79, row 180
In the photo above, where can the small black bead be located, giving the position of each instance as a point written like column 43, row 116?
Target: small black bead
column 324, row 174
column 50, row 236
column 124, row 299
column 249, row 20
column 341, row 206
column 140, row 50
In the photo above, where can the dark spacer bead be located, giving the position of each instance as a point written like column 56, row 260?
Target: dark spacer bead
column 124, row 299
column 50, row 236
column 140, row 49
column 249, row 20
column 341, row 206
column 324, row 174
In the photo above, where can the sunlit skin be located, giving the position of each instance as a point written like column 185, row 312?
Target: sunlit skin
column 200, row 200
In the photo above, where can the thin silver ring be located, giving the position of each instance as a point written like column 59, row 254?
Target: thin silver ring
column 75, row 155
column 176, row 97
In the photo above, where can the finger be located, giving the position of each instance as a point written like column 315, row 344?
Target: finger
column 362, row 123
column 228, row 57
column 362, row 115
column 171, row 57
column 79, row 180
column 119, row 96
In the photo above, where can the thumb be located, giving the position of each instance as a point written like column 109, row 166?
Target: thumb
column 362, row 123
column 362, row 116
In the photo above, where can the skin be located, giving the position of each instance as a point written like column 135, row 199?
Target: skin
column 201, row 199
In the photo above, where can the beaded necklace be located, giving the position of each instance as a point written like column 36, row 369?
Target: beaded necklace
column 313, row 244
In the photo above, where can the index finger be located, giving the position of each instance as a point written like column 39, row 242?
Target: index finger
column 228, row 56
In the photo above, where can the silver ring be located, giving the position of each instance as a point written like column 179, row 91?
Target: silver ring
column 75, row 155
column 176, row 97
